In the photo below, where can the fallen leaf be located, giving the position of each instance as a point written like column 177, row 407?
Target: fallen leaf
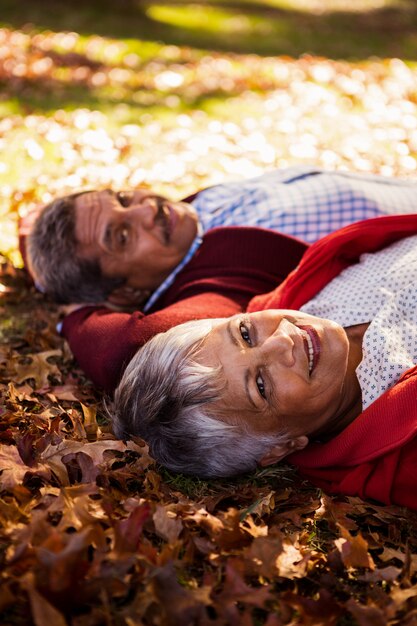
column 129, row 531
column 263, row 555
column 354, row 550
column 42, row 611
column 13, row 469
column 167, row 525
column 389, row 574
column 177, row 604
column 236, row 590
column 90, row 421
column 291, row 562
column 366, row 615
column 52, row 455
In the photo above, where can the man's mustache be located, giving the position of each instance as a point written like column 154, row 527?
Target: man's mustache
column 162, row 216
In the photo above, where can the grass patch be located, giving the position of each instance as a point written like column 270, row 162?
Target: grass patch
column 383, row 28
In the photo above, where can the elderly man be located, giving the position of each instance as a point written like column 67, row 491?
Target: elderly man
column 130, row 246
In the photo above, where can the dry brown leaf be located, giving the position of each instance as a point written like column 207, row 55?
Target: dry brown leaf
column 291, row 562
column 167, row 525
column 64, row 392
column 324, row 611
column 236, row 590
column 389, row 574
column 53, row 454
column 21, row 393
column 366, row 615
column 13, row 469
column 90, row 421
column 263, row 555
column 177, row 604
column 42, row 611
column 264, row 505
column 337, row 513
column 39, row 368
column 213, row 525
column 128, row 531
column 354, row 550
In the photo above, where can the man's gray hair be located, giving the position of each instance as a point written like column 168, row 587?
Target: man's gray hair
column 166, row 397
column 52, row 251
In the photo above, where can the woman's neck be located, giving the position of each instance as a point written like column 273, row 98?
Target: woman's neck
column 355, row 335
column 354, row 407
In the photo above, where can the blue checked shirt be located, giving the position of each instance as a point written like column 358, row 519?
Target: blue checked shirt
column 302, row 201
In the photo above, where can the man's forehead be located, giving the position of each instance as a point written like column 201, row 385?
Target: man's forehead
column 88, row 207
column 87, row 200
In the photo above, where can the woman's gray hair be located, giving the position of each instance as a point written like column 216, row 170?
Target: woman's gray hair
column 54, row 261
column 166, row 397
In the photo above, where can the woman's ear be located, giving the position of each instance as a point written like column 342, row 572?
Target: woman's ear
column 280, row 451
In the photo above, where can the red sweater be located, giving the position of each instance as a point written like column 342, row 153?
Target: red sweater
column 376, row 455
column 231, row 266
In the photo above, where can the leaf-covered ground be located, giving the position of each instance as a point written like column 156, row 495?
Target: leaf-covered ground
column 93, row 532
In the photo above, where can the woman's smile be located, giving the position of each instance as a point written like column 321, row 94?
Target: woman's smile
column 283, row 371
column 312, row 347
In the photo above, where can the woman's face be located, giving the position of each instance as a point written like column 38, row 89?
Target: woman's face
column 284, row 370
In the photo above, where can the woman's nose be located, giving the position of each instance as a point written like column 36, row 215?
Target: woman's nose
column 279, row 347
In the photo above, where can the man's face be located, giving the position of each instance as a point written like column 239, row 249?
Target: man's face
column 135, row 235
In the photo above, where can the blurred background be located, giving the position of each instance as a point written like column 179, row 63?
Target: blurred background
column 181, row 95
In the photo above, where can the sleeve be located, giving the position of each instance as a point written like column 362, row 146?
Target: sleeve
column 103, row 341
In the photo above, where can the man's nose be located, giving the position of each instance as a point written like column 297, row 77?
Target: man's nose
column 145, row 212
column 279, row 348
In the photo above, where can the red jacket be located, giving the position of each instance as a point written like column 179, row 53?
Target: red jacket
column 230, row 267
column 376, row 455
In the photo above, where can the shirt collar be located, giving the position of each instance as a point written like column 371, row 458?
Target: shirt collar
column 170, row 279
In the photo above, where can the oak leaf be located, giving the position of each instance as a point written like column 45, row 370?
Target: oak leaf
column 291, row 562
column 354, row 550
column 263, row 554
column 235, row 589
column 13, row 469
column 52, row 455
column 39, row 368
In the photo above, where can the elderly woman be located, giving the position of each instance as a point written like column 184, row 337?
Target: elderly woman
column 332, row 379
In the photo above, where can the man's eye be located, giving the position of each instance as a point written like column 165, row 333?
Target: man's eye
column 124, row 198
column 244, row 333
column 122, row 237
column 261, row 386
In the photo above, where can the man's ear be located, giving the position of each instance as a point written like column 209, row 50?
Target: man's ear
column 125, row 296
column 279, row 451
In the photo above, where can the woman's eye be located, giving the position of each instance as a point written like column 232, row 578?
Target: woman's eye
column 244, row 333
column 261, row 386
column 124, row 198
